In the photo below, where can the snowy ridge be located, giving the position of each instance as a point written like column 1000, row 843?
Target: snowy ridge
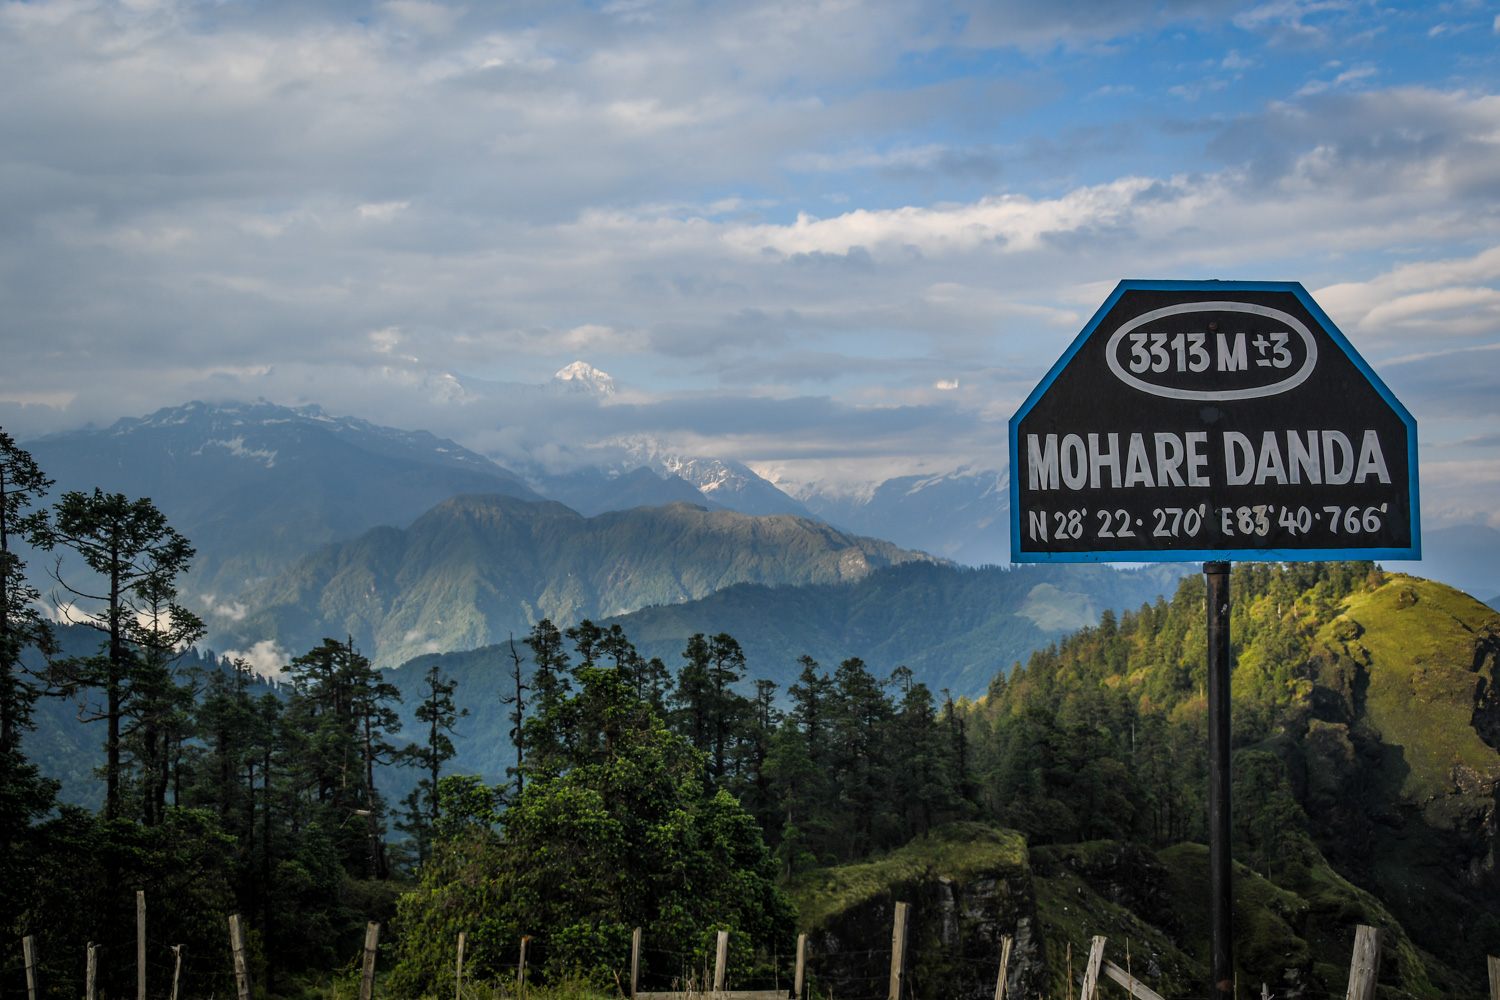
column 581, row 376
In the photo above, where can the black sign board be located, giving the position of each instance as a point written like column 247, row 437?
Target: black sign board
column 1212, row 420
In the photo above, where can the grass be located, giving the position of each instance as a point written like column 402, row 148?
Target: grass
column 1070, row 912
column 1417, row 641
column 958, row 851
column 344, row 985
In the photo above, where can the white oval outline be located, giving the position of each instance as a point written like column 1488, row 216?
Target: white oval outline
column 1274, row 388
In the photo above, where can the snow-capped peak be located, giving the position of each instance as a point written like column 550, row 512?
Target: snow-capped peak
column 581, row 375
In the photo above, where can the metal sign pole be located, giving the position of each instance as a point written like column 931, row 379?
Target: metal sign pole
column 1220, row 890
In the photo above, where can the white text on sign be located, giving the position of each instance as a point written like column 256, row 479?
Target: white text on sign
column 1167, row 459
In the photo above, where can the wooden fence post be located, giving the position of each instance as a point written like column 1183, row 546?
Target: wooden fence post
column 1091, row 971
column 1135, row 986
column 140, row 944
column 176, row 968
column 1002, row 981
column 367, row 974
column 801, row 966
column 237, row 942
column 1494, row 964
column 898, row 952
column 91, row 974
column 635, row 961
column 521, row 965
column 1364, row 966
column 458, row 973
column 28, row 952
column 721, row 957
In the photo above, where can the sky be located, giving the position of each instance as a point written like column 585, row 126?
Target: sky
column 838, row 241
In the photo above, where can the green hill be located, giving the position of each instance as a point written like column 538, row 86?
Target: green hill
column 474, row 569
column 1367, row 733
column 954, row 627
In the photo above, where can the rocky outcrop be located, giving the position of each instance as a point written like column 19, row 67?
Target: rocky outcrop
column 968, row 886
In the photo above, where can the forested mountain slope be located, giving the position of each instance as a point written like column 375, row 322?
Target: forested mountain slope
column 1365, row 721
column 475, row 569
column 953, row 627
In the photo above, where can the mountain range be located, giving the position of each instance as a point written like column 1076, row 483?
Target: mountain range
column 261, row 488
column 963, row 515
column 257, row 486
column 477, row 568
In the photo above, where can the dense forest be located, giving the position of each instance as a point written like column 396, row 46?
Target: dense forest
column 683, row 798
column 1102, row 735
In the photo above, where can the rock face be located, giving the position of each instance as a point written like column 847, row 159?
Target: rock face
column 967, row 885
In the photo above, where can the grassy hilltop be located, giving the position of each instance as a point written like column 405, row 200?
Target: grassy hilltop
column 1366, row 726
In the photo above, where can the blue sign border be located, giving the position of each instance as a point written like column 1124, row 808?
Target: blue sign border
column 1213, row 555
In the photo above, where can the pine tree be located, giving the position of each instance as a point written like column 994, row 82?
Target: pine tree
column 517, row 717
column 440, row 716
column 136, row 558
column 22, row 485
column 727, row 707
column 548, row 732
column 692, row 699
column 859, row 755
column 24, row 794
column 346, row 714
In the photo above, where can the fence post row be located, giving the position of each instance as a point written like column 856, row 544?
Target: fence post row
column 237, row 942
column 801, row 966
column 367, row 974
column 1002, row 984
column 458, row 972
column 1137, row 988
column 176, row 968
column 721, row 956
column 1091, row 971
column 140, row 944
column 635, row 961
column 1364, row 966
column 898, row 952
column 28, row 951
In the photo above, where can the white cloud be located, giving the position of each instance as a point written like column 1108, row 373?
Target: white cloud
column 266, row 657
column 1445, row 298
column 434, row 18
column 383, row 212
column 395, row 215
column 1347, row 77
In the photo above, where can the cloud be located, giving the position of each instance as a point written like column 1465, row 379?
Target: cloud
column 407, row 211
column 1435, row 301
column 434, row 18
column 1347, row 77
column 266, row 657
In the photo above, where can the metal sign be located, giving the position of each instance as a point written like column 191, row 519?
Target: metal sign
column 1212, row 420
